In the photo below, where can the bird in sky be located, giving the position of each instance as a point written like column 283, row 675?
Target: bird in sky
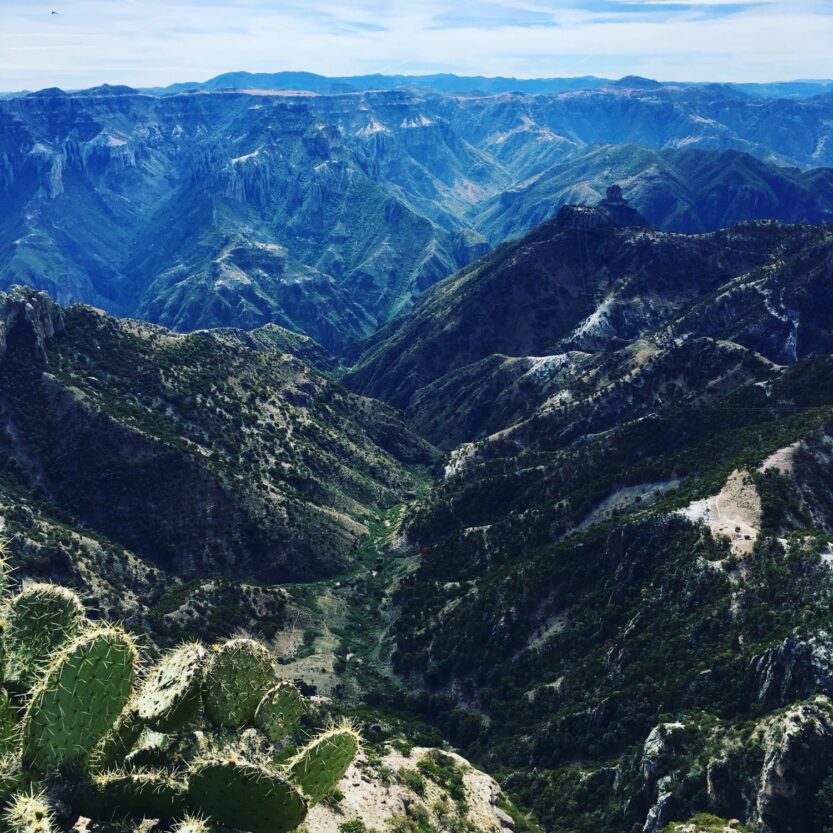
column 55, row 12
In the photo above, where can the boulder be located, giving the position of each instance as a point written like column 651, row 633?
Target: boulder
column 30, row 313
column 798, row 753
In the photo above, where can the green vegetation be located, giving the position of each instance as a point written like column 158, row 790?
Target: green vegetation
column 414, row 780
column 561, row 593
column 442, row 769
column 706, row 823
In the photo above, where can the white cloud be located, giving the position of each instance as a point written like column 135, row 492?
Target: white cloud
column 148, row 42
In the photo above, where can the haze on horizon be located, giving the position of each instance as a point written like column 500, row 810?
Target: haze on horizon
column 150, row 42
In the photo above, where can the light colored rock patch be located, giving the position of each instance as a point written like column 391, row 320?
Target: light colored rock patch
column 734, row 513
column 708, row 825
column 555, row 685
column 546, row 631
column 545, row 368
column 377, row 801
column 459, row 458
column 598, row 322
column 628, row 498
column 783, row 459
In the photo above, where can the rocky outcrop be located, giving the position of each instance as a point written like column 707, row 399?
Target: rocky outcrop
column 771, row 778
column 730, row 791
column 662, row 744
column 404, row 792
column 794, row 670
column 664, row 809
column 798, row 752
column 25, row 311
column 658, row 749
column 611, row 211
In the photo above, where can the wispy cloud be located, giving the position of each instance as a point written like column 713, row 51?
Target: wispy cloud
column 149, row 42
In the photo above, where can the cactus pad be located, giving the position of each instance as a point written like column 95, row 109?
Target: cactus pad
column 245, row 796
column 39, row 620
column 8, row 723
column 239, row 675
column 170, row 695
column 136, row 795
column 279, row 711
column 77, row 700
column 118, row 742
column 321, row 764
column 29, row 814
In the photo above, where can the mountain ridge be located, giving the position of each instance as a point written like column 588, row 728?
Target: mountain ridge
column 331, row 214
column 612, row 590
column 581, row 283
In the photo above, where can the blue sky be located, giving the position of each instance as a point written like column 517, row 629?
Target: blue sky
column 154, row 42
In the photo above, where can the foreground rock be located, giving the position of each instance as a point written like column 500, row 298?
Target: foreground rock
column 423, row 785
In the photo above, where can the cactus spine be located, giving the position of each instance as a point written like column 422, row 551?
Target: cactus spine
column 247, row 796
column 321, row 764
column 170, row 696
column 279, row 711
column 133, row 795
column 39, row 620
column 29, row 813
column 193, row 824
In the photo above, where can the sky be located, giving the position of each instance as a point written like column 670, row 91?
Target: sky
column 157, row 42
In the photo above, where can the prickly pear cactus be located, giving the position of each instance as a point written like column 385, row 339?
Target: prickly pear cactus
column 152, row 749
column 78, row 700
column 8, row 723
column 239, row 675
column 170, row 696
column 29, row 813
column 39, row 620
column 74, row 722
column 117, row 743
column 279, row 711
column 246, row 796
column 321, row 764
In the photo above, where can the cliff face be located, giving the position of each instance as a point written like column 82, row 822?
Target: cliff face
column 231, row 209
column 33, row 312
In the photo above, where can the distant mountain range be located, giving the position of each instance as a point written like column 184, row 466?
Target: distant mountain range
column 469, row 85
column 329, row 214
